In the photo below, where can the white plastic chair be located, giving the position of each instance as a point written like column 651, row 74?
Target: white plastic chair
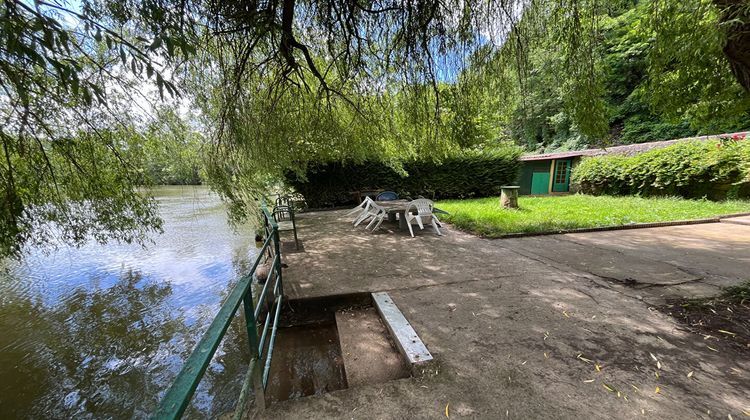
column 378, row 214
column 424, row 209
column 362, row 209
column 371, row 210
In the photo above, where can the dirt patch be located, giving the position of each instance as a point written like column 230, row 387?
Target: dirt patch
column 723, row 321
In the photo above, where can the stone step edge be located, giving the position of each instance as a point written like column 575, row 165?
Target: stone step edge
column 407, row 341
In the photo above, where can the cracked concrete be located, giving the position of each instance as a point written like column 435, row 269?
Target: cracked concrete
column 559, row 326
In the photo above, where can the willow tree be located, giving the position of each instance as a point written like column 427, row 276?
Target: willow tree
column 280, row 82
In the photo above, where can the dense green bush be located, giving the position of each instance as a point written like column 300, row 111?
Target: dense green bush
column 468, row 174
column 715, row 169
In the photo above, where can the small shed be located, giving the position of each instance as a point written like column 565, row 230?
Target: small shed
column 547, row 173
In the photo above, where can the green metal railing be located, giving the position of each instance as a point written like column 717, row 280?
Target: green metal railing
column 267, row 308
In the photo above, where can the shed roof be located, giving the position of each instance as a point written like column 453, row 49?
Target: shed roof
column 558, row 155
column 628, row 149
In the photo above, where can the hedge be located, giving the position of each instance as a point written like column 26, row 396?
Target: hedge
column 694, row 169
column 468, row 174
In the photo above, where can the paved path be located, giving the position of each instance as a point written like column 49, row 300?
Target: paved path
column 519, row 326
column 744, row 220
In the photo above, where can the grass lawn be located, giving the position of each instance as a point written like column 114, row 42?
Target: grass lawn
column 484, row 216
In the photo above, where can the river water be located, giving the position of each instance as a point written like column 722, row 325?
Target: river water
column 102, row 330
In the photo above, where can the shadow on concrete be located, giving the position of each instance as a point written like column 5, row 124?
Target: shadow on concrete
column 519, row 332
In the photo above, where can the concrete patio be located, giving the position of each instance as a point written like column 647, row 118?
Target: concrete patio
column 558, row 326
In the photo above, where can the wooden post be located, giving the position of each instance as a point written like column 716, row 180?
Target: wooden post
column 509, row 196
column 551, row 175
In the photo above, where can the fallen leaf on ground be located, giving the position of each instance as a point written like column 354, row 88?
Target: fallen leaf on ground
column 545, row 355
column 608, row 388
column 690, row 374
column 524, row 362
column 654, row 357
column 566, row 314
column 635, row 387
column 446, row 410
column 658, row 364
column 588, row 381
column 713, row 349
column 657, row 390
column 727, row 332
column 598, row 368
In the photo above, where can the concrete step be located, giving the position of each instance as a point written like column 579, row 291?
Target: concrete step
column 744, row 220
column 368, row 354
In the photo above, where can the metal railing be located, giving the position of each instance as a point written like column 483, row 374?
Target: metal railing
column 267, row 308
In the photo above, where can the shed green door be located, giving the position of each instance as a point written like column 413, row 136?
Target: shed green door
column 562, row 176
column 540, row 182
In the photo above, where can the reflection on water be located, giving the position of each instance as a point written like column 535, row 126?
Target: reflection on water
column 101, row 331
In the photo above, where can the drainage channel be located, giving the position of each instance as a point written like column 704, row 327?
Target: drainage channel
column 307, row 362
column 335, row 342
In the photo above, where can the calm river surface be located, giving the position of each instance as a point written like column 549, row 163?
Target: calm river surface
column 101, row 331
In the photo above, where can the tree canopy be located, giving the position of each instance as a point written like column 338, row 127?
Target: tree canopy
column 281, row 83
column 647, row 89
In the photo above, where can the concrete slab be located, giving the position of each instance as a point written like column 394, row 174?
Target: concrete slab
column 369, row 356
column 516, row 331
column 744, row 220
column 340, row 258
column 604, row 262
column 717, row 253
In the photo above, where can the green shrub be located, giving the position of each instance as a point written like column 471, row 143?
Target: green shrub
column 467, row 174
column 694, row 169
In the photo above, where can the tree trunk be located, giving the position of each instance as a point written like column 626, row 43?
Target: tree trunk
column 737, row 46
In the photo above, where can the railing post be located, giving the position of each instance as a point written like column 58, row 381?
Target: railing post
column 277, row 249
column 251, row 323
column 258, row 389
